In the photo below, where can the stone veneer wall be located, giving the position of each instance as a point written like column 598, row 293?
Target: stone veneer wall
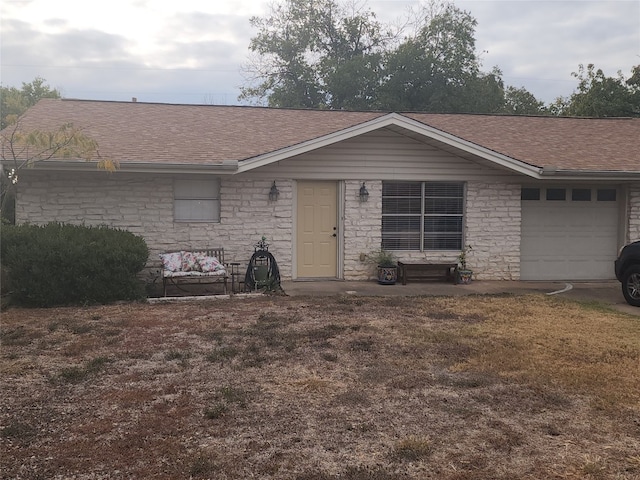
column 493, row 225
column 493, row 221
column 143, row 204
column 634, row 213
column 362, row 229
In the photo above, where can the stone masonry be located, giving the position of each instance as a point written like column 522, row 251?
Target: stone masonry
column 143, row 205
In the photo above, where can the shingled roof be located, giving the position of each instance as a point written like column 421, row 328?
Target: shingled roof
column 156, row 134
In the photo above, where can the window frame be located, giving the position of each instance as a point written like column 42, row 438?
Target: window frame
column 208, row 193
column 444, row 200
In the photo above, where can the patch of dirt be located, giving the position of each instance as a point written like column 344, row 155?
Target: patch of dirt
column 315, row 388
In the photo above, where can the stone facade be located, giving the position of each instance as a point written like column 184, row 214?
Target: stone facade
column 362, row 229
column 493, row 223
column 143, row 204
column 493, row 220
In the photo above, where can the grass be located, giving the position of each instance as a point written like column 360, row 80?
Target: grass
column 322, row 388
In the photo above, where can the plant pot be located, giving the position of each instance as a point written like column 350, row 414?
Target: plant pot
column 464, row 277
column 387, row 275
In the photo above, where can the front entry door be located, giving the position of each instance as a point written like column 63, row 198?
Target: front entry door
column 317, row 221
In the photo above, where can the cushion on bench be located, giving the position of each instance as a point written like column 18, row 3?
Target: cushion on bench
column 207, row 264
column 185, row 262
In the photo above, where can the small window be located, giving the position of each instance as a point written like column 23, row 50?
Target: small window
column 581, row 194
column 606, row 194
column 556, row 194
column 530, row 194
column 196, row 200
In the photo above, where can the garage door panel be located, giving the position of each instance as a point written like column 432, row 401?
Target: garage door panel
column 568, row 240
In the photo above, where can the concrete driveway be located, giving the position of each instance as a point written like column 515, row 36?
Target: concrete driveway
column 608, row 292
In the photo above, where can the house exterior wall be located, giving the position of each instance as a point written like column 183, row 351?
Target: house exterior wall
column 493, row 223
column 492, row 228
column 143, row 205
column 362, row 229
column 383, row 154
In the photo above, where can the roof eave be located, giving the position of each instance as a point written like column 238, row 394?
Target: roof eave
column 609, row 175
column 227, row 167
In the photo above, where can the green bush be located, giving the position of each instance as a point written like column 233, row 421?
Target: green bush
column 58, row 264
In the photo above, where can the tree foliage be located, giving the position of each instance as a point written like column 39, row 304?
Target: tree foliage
column 315, row 54
column 519, row 101
column 438, row 70
column 600, row 96
column 321, row 54
column 14, row 102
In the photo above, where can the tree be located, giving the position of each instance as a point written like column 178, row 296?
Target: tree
column 315, row 54
column 519, row 101
column 437, row 69
column 600, row 96
column 319, row 54
column 14, row 102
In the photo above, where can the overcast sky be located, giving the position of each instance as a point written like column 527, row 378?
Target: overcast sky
column 192, row 51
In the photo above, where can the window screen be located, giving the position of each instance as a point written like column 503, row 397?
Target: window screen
column 196, row 200
column 422, row 215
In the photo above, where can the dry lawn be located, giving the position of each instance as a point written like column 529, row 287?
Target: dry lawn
column 486, row 387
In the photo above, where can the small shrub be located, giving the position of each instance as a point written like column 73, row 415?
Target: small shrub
column 59, row 264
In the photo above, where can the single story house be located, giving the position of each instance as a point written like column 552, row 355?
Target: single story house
column 537, row 198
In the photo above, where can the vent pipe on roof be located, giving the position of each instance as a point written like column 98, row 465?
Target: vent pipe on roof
column 134, row 99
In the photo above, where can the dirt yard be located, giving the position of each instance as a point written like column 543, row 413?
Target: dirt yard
column 306, row 388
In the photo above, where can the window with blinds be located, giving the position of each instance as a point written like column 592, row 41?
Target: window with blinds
column 422, row 215
column 196, row 200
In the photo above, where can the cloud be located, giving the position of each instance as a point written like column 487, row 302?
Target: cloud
column 188, row 52
column 537, row 44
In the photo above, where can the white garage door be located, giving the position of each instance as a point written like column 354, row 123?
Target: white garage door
column 569, row 233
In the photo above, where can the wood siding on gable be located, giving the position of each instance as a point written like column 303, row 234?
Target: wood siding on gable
column 383, row 154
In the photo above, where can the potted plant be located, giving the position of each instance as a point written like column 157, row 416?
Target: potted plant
column 463, row 273
column 387, row 266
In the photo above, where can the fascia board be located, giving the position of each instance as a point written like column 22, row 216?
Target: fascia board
column 228, row 167
column 591, row 175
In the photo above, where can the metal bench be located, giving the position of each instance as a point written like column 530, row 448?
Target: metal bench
column 427, row 271
column 195, row 277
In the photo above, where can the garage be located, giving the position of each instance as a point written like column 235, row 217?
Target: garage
column 569, row 233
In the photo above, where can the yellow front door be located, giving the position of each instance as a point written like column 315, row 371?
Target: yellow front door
column 317, row 221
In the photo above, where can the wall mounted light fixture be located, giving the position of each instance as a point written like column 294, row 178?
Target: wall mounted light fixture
column 364, row 193
column 274, row 193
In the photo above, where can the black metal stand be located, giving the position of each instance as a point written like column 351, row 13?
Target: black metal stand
column 262, row 272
